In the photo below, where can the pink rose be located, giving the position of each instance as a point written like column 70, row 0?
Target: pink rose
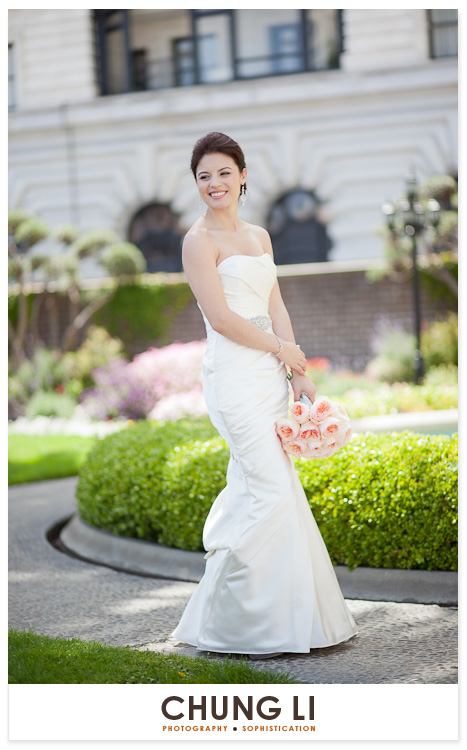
column 315, row 431
column 329, row 448
column 330, row 443
column 300, row 412
column 314, row 450
column 287, row 429
column 340, row 409
column 309, row 431
column 321, row 408
column 330, row 452
column 295, row 447
column 333, row 426
column 346, row 437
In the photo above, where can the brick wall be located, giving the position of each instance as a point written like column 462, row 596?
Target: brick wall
column 333, row 314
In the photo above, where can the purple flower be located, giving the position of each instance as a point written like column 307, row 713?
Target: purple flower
column 118, row 393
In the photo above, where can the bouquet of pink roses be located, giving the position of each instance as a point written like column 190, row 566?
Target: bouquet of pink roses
column 315, row 430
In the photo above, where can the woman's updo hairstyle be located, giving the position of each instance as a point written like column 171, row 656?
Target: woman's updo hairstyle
column 213, row 143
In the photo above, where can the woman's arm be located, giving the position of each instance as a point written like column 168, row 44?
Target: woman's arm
column 199, row 265
column 282, row 325
column 280, row 319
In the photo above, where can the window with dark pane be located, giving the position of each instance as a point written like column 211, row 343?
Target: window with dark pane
column 114, row 55
column 184, row 62
column 297, row 234
column 154, row 229
column 286, row 41
column 443, row 30
column 213, row 46
column 286, row 44
column 140, row 70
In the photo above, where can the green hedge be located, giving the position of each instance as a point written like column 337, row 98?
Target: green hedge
column 120, row 486
column 140, row 312
column 143, row 312
column 386, row 500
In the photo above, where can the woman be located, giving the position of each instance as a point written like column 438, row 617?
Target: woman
column 269, row 586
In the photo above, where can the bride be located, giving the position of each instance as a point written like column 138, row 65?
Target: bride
column 269, row 586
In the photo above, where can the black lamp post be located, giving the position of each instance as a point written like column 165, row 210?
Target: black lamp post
column 409, row 217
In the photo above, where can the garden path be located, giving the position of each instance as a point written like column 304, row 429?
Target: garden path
column 62, row 596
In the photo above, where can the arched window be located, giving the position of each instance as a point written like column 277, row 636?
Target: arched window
column 296, row 233
column 154, row 229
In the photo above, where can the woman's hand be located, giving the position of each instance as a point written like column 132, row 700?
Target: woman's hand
column 292, row 356
column 303, row 384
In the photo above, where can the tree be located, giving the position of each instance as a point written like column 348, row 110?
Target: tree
column 61, row 273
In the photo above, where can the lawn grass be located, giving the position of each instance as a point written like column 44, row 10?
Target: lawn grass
column 35, row 457
column 39, row 659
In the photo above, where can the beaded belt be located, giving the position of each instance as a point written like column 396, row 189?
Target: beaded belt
column 262, row 321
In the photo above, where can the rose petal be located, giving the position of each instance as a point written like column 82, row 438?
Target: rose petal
column 300, row 412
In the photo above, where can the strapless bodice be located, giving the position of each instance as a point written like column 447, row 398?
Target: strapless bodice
column 247, row 281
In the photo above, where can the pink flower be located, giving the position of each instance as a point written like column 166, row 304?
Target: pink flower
column 313, row 450
column 321, row 408
column 333, row 426
column 340, row 408
column 315, row 432
column 330, row 443
column 309, row 431
column 300, row 412
column 295, row 447
column 346, row 437
column 175, row 368
column 330, row 451
column 287, row 429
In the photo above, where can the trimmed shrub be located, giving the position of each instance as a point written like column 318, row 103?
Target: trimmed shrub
column 385, row 500
column 120, row 485
column 192, row 477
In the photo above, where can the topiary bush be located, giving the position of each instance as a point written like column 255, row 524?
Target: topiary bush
column 385, row 500
column 120, row 485
column 192, row 477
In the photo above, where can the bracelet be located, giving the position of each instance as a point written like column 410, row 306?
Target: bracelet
column 289, row 375
column 280, row 345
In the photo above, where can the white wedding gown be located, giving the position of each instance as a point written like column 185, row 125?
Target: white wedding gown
column 269, row 584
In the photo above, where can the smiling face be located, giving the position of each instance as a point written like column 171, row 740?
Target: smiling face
column 218, row 179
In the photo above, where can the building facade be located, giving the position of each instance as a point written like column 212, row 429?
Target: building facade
column 331, row 108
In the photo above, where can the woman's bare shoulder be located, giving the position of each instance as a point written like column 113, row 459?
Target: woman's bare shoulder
column 263, row 236
column 256, row 229
column 197, row 244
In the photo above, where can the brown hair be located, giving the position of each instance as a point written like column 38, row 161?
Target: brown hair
column 217, row 143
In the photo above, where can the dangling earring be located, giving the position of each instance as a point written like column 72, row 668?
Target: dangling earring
column 243, row 194
column 201, row 204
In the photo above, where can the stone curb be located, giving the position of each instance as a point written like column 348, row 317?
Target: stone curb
column 440, row 420
column 148, row 558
